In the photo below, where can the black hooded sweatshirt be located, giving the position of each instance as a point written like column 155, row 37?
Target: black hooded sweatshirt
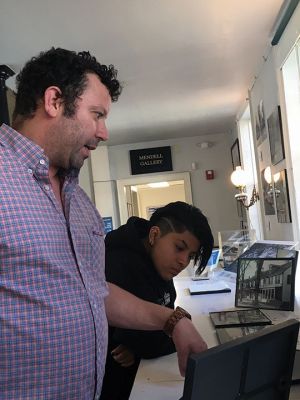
column 128, row 265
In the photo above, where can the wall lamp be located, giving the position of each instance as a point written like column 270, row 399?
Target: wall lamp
column 238, row 178
column 272, row 180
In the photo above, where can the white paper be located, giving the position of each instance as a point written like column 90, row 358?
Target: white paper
column 207, row 286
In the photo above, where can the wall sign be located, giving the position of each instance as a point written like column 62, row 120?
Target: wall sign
column 108, row 224
column 157, row 159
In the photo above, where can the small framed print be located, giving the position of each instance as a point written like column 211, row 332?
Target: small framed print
column 276, row 136
column 222, row 319
column 260, row 123
column 282, row 198
column 227, row 334
column 266, row 283
column 151, row 209
column 235, row 154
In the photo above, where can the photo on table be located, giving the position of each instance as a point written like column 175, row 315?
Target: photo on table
column 222, row 319
column 225, row 335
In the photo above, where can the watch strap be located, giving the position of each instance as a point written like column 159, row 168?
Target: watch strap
column 175, row 317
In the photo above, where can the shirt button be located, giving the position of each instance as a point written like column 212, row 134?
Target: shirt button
column 42, row 161
column 47, row 187
column 29, row 171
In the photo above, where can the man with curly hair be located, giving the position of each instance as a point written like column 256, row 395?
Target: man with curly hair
column 54, row 299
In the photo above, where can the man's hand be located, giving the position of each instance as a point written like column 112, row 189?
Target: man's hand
column 123, row 356
column 187, row 340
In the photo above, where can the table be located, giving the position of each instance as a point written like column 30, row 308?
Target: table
column 159, row 379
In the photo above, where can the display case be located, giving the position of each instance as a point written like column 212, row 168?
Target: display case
column 233, row 244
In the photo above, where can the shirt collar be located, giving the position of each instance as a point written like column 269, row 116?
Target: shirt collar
column 29, row 153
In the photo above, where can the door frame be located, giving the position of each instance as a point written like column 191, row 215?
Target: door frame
column 143, row 180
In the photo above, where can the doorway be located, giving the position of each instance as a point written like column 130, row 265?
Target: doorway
column 141, row 196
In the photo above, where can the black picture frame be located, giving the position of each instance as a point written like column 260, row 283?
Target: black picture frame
column 260, row 123
column 235, row 154
column 282, row 198
column 276, row 136
column 267, row 283
column 225, row 335
column 233, row 318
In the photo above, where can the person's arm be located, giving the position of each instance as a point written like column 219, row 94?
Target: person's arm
column 145, row 344
column 127, row 311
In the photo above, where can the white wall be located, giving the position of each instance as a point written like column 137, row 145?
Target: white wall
column 215, row 197
column 267, row 87
column 104, row 187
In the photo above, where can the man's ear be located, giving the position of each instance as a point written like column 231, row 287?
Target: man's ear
column 52, row 101
column 154, row 234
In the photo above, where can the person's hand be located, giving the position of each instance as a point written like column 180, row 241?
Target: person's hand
column 123, row 356
column 187, row 340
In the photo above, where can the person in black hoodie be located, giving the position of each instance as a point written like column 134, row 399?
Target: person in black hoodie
column 142, row 257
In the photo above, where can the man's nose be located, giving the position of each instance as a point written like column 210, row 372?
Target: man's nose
column 102, row 131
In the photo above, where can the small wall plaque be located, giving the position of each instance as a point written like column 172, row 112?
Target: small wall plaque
column 157, row 159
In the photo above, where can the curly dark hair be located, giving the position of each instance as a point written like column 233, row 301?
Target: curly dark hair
column 65, row 69
column 179, row 217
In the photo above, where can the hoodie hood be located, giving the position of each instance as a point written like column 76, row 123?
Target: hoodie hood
column 129, row 235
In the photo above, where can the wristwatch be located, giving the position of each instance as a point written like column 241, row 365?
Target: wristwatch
column 176, row 316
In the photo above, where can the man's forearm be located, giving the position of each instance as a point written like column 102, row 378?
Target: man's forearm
column 125, row 310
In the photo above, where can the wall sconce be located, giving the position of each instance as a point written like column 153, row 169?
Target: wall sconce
column 238, row 178
column 270, row 179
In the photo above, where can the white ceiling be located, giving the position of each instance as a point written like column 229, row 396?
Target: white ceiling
column 186, row 65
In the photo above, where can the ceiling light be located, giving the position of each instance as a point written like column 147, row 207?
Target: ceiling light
column 158, row 184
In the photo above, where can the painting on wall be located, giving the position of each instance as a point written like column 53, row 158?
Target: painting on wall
column 282, row 198
column 260, row 123
column 268, row 195
column 276, row 136
column 235, row 154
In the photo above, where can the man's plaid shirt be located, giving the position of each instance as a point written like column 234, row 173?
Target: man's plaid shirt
column 53, row 328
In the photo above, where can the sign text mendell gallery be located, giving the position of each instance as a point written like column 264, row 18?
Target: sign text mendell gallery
column 156, row 159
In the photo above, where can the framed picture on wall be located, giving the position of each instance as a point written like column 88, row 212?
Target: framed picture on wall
column 260, row 123
column 276, row 136
column 235, row 154
column 282, row 198
column 268, row 195
column 151, row 209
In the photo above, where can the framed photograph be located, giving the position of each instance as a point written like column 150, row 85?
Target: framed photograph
column 225, row 335
column 276, row 136
column 235, row 154
column 282, row 198
column 151, row 209
column 266, row 283
column 260, row 123
column 268, row 195
column 222, row 319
